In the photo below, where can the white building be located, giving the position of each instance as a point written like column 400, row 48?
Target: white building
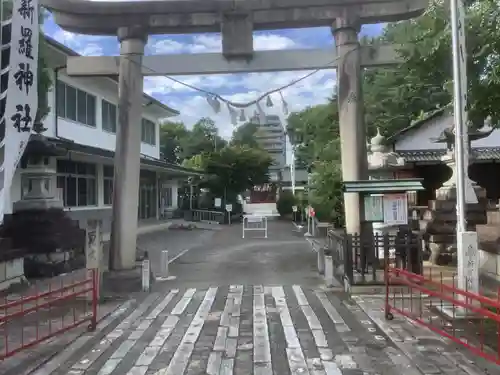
column 83, row 120
column 272, row 138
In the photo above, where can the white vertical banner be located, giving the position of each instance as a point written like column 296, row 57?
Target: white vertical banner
column 22, row 90
column 4, row 76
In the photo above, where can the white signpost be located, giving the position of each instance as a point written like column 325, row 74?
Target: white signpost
column 93, row 251
column 229, row 209
column 294, row 210
column 218, row 202
column 22, row 90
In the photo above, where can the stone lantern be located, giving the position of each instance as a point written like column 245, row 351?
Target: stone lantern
column 381, row 165
column 48, row 238
column 440, row 218
column 38, row 171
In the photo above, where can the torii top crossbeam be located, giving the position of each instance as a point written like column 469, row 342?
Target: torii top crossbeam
column 195, row 16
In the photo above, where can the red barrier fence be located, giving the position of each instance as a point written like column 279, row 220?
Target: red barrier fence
column 468, row 319
column 45, row 311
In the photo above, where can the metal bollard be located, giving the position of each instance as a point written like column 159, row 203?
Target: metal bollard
column 329, row 279
column 146, row 277
column 321, row 260
column 164, row 263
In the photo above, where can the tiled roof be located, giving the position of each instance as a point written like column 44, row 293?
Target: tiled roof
column 487, row 153
column 417, row 124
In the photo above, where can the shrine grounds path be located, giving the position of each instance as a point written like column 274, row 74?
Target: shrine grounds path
column 252, row 306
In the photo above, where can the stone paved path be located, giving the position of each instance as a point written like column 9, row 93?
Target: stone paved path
column 225, row 330
column 236, row 330
column 240, row 307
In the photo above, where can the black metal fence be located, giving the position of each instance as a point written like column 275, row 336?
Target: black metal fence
column 361, row 260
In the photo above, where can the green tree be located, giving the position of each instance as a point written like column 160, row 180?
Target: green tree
column 203, row 138
column 286, row 202
column 315, row 134
column 395, row 97
column 245, row 135
column 326, row 193
column 231, row 170
column 172, row 136
column 312, row 131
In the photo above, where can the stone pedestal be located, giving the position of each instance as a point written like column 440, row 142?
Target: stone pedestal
column 441, row 217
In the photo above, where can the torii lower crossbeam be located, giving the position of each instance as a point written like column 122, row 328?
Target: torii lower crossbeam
column 216, row 63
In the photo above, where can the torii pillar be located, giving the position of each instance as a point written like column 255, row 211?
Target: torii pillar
column 351, row 115
column 128, row 148
column 237, row 20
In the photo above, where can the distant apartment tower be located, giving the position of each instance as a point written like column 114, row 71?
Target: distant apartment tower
column 271, row 137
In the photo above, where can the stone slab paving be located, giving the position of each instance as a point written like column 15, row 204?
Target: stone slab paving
column 241, row 330
column 429, row 353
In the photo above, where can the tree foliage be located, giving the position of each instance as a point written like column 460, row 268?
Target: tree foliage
column 232, row 169
column 245, row 135
column 172, row 134
column 203, row 138
column 395, row 97
column 179, row 143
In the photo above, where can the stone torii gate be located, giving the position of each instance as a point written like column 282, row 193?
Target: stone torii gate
column 133, row 22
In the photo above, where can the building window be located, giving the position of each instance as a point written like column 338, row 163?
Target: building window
column 108, row 174
column 77, row 183
column 75, row 104
column 109, row 117
column 169, row 202
column 148, row 132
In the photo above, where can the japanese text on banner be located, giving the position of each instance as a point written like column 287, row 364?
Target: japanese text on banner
column 22, row 92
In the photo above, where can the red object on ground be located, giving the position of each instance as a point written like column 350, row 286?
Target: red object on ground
column 468, row 319
column 45, row 312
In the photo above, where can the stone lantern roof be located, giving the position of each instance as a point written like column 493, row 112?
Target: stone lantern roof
column 380, row 157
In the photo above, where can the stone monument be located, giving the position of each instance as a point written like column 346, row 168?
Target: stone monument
column 440, row 219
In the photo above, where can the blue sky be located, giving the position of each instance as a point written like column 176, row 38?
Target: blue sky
column 237, row 87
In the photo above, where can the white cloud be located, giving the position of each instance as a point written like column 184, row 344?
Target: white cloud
column 240, row 88
column 313, row 90
column 83, row 44
column 213, row 43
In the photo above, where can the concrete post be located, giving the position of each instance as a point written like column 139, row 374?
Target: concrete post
column 164, row 263
column 321, row 260
column 351, row 115
column 128, row 147
column 329, row 278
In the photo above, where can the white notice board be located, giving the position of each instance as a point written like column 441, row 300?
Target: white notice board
column 395, row 209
